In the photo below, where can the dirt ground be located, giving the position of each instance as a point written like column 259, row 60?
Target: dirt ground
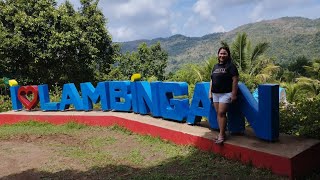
column 75, row 156
column 53, row 152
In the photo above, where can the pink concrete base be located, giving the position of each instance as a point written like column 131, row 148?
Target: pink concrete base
column 300, row 159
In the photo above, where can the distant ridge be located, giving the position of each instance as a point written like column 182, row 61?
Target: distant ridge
column 289, row 37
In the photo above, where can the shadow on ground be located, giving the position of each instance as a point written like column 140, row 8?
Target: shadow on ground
column 212, row 167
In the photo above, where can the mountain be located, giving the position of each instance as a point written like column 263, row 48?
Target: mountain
column 289, row 37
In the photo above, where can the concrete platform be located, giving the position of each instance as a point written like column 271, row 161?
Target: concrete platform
column 290, row 156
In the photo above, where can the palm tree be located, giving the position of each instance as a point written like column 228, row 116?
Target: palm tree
column 266, row 72
column 314, row 69
column 245, row 57
column 203, row 72
column 238, row 51
column 311, row 86
column 254, row 62
column 292, row 91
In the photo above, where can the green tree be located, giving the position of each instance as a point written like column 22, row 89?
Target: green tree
column 158, row 62
column 298, row 64
column 265, row 70
column 238, row 51
column 3, row 86
column 93, row 24
column 203, row 72
column 185, row 75
column 150, row 62
column 43, row 43
column 245, row 57
column 309, row 86
column 313, row 69
column 189, row 73
column 292, row 91
column 285, row 75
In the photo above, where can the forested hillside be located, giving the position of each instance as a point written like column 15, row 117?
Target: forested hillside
column 288, row 37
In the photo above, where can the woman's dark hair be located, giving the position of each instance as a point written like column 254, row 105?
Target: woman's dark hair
column 228, row 51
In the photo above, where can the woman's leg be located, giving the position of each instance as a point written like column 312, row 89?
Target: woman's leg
column 216, row 107
column 222, row 118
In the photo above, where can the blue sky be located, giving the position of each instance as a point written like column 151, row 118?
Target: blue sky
column 147, row 19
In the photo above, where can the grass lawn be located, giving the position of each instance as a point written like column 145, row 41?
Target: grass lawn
column 73, row 151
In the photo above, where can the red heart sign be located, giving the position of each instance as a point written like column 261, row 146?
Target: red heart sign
column 24, row 91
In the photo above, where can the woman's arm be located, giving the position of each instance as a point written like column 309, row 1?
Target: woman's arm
column 210, row 94
column 234, row 92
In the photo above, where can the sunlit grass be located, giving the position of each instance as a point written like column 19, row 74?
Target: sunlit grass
column 99, row 149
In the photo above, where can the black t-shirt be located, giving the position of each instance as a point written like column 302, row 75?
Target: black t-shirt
column 221, row 77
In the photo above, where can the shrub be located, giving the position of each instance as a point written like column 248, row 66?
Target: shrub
column 301, row 118
column 250, row 82
column 55, row 93
column 5, row 103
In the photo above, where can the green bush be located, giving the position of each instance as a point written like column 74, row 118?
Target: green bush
column 301, row 118
column 249, row 81
column 55, row 93
column 5, row 103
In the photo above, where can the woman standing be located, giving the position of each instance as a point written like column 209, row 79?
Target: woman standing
column 223, row 88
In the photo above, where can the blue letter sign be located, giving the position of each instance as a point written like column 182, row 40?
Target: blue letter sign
column 168, row 100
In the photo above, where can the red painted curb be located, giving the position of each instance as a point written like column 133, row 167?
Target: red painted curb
column 294, row 167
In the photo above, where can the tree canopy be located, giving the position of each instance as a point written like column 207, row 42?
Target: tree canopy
column 41, row 42
column 150, row 62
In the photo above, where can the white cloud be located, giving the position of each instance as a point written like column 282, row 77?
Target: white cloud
column 267, row 8
column 148, row 19
column 192, row 22
column 256, row 13
column 209, row 9
column 210, row 15
column 205, row 9
column 218, row 28
column 130, row 8
column 174, row 29
column 122, row 33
